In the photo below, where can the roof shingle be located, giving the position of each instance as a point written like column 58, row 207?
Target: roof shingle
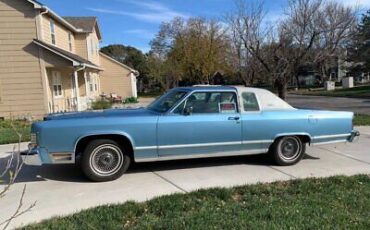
column 85, row 23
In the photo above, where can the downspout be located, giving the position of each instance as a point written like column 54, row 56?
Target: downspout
column 77, row 90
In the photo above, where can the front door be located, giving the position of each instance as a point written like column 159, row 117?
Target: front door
column 205, row 123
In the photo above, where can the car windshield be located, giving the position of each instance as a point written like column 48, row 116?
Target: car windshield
column 166, row 101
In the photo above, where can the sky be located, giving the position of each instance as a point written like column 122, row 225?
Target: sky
column 135, row 22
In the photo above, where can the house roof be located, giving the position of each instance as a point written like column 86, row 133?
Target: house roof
column 76, row 24
column 119, row 63
column 77, row 60
column 86, row 24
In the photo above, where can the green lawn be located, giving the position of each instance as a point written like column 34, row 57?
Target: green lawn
column 331, row 203
column 357, row 92
column 361, row 119
column 8, row 134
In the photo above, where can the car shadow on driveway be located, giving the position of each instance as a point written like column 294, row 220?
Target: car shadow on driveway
column 73, row 173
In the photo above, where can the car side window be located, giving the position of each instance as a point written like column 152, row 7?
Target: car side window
column 209, row 102
column 250, row 102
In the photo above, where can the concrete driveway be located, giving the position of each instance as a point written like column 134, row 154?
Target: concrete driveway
column 62, row 189
column 357, row 105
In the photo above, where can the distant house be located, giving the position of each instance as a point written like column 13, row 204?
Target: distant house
column 50, row 63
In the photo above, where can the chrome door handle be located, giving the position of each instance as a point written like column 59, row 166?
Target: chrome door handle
column 233, row 118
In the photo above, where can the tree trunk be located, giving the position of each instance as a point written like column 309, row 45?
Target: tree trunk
column 297, row 80
column 281, row 87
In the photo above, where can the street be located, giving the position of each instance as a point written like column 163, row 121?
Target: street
column 357, row 105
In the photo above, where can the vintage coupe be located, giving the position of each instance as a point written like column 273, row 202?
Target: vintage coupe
column 186, row 122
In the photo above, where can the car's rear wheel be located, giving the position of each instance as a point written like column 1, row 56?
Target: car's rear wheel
column 288, row 150
column 104, row 160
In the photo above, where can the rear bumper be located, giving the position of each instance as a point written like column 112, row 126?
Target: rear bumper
column 353, row 135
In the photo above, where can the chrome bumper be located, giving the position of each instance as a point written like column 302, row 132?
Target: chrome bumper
column 31, row 157
column 39, row 156
column 354, row 134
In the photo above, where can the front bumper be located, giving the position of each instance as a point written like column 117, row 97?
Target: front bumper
column 353, row 135
column 39, row 156
column 36, row 156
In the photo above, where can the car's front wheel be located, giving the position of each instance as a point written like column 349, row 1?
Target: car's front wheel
column 288, row 150
column 104, row 160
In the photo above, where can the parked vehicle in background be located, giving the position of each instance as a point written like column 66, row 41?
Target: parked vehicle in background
column 188, row 122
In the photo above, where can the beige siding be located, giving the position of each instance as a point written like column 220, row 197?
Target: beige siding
column 115, row 78
column 21, row 92
column 61, row 34
column 81, row 45
column 93, row 54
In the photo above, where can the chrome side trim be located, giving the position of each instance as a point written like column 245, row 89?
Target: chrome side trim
column 203, row 144
column 199, row 145
column 146, row 147
column 206, row 155
column 257, row 142
column 332, row 136
column 329, row 142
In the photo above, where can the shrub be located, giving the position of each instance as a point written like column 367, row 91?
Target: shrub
column 101, row 104
column 130, row 100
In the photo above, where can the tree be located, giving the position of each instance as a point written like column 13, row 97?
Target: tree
column 359, row 48
column 311, row 31
column 191, row 51
column 336, row 25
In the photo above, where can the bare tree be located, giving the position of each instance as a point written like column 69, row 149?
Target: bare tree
column 310, row 31
column 336, row 24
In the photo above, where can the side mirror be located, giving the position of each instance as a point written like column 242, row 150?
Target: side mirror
column 188, row 111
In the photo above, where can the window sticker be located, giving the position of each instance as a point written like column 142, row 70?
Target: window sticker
column 227, row 107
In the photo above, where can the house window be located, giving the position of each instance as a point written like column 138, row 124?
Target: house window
column 89, row 81
column 96, row 83
column 52, row 32
column 57, row 84
column 70, row 41
column 92, row 47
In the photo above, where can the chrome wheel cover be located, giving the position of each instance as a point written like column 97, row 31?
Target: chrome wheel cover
column 289, row 148
column 106, row 160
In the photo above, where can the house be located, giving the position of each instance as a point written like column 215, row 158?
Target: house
column 50, row 63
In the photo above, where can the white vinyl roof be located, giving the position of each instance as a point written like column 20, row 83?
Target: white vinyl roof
column 266, row 99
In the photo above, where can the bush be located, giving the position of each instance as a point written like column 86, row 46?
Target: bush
column 130, row 100
column 101, row 104
column 9, row 129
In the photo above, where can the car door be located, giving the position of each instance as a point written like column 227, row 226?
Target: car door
column 204, row 123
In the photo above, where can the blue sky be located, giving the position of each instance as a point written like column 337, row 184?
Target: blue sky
column 135, row 22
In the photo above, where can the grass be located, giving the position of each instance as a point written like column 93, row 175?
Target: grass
column 356, row 92
column 361, row 119
column 8, row 134
column 130, row 100
column 330, row 203
column 101, row 104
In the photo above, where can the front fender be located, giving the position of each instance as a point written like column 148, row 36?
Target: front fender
column 108, row 132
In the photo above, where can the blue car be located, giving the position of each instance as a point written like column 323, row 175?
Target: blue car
column 186, row 122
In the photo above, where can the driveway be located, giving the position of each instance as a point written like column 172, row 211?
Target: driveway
column 62, row 189
column 357, row 105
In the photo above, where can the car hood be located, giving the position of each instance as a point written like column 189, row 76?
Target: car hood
column 102, row 113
